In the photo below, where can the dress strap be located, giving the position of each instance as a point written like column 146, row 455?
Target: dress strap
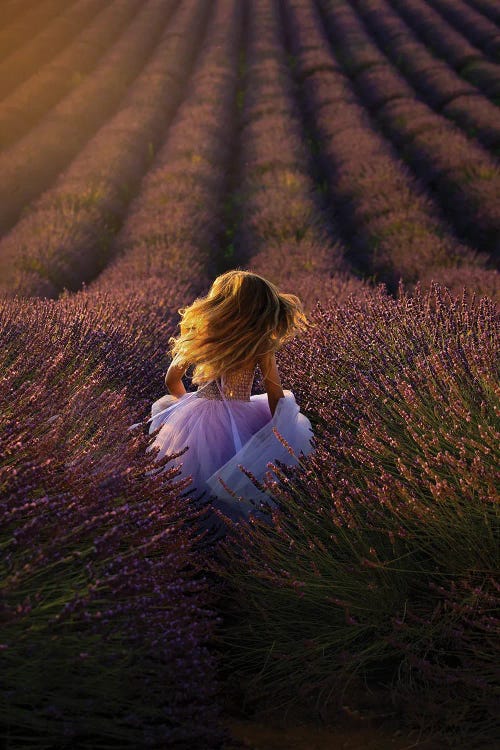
column 236, row 435
column 180, row 402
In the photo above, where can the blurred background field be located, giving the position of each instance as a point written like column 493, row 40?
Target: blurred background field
column 348, row 150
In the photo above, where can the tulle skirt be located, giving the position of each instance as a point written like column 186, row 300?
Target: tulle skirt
column 218, row 445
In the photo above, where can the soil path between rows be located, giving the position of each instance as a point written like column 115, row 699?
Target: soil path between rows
column 256, row 735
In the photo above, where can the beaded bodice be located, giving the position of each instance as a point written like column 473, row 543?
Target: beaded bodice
column 236, row 386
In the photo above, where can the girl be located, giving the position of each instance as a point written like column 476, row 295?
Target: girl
column 238, row 326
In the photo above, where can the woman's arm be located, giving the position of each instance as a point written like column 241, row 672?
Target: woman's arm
column 272, row 381
column 173, row 379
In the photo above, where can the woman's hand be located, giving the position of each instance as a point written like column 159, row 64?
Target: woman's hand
column 173, row 380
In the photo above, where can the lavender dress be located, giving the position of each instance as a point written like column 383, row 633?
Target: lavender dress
column 224, row 426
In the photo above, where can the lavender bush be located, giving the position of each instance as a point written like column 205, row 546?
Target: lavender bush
column 380, row 567
column 106, row 614
column 482, row 281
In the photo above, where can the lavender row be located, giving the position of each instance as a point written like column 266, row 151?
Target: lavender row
column 65, row 237
column 30, row 101
column 44, row 46
column 380, row 566
column 29, row 166
column 13, row 10
column 174, row 226
column 393, row 226
column 24, row 26
column 101, row 572
column 480, row 30
column 435, row 82
column 452, row 46
column 464, row 177
column 282, row 230
column 489, row 8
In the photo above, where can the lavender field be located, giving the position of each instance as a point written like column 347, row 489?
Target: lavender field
column 349, row 151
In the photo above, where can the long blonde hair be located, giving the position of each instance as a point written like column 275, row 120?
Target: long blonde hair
column 242, row 317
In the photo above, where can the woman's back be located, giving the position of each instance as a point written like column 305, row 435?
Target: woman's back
column 242, row 320
column 236, row 385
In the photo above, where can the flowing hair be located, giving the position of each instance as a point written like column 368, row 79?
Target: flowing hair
column 242, row 317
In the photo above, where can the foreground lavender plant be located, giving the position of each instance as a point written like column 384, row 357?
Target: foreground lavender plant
column 381, row 565
column 105, row 611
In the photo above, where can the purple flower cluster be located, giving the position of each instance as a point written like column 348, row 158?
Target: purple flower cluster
column 382, row 555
